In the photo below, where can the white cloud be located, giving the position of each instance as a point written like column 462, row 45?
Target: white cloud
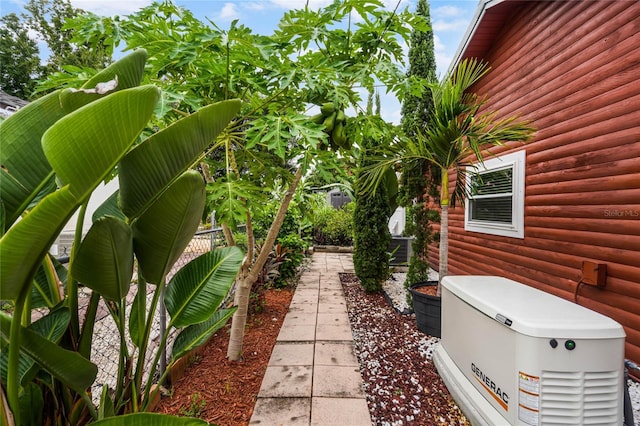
column 443, row 57
column 229, row 12
column 300, row 4
column 450, row 25
column 110, row 7
column 447, row 11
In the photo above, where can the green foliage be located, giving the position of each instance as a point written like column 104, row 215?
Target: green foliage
column 19, row 61
column 49, row 19
column 334, row 226
column 417, row 107
column 458, row 128
column 76, row 139
column 419, row 179
column 371, row 240
column 291, row 225
column 419, row 225
column 294, row 249
column 313, row 57
column 196, row 405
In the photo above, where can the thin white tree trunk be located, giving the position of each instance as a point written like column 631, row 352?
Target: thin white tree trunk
column 250, row 275
column 444, row 245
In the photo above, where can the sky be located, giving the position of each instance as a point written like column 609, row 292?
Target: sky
column 449, row 19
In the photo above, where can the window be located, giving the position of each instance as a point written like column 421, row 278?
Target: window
column 495, row 203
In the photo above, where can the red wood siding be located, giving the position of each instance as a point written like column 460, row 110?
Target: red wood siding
column 573, row 68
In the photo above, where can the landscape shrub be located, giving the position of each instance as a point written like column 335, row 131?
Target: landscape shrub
column 289, row 252
column 371, row 240
column 334, row 226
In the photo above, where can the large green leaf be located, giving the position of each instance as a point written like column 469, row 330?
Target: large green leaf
column 24, row 166
column 51, row 327
column 26, row 243
column 83, row 156
column 25, row 170
column 162, row 233
column 128, row 69
column 85, row 145
column 156, row 162
column 198, row 289
column 109, row 207
column 150, row 419
column 137, row 319
column 195, row 335
column 31, row 405
column 104, row 260
column 67, row 366
column 42, row 295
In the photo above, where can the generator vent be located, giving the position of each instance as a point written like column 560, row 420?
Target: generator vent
column 579, row 398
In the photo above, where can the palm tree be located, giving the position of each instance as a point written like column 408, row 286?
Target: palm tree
column 456, row 130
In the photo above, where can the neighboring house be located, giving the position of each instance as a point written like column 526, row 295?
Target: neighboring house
column 10, row 104
column 573, row 193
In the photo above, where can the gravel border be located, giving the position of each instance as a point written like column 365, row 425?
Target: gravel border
column 401, row 383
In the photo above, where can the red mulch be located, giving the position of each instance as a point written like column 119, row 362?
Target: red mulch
column 228, row 390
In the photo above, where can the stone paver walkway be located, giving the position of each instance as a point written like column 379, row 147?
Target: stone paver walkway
column 313, row 376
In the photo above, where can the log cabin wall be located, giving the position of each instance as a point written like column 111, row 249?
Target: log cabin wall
column 573, row 68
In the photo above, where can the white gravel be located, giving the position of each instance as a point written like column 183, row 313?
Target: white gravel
column 397, row 294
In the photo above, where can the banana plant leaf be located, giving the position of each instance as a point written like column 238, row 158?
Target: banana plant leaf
column 198, row 289
column 156, row 162
column 129, row 70
column 137, row 321
column 85, row 145
column 25, row 169
column 109, row 207
column 42, row 291
column 31, row 405
column 82, row 156
column 26, row 243
column 52, row 327
column 163, row 232
column 150, row 419
column 104, row 260
column 198, row 334
column 26, row 173
column 67, row 366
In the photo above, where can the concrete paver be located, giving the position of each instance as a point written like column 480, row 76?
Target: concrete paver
column 340, row 411
column 335, row 353
column 286, row 382
column 270, row 411
column 313, row 376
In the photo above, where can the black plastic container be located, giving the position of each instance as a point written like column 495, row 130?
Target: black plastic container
column 428, row 309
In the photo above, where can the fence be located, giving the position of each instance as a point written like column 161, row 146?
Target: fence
column 106, row 339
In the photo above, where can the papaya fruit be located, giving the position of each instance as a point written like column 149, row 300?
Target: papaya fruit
column 327, row 108
column 339, row 136
column 318, row 118
column 330, row 122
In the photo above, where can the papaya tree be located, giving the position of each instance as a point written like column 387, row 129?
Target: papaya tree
column 301, row 92
column 55, row 152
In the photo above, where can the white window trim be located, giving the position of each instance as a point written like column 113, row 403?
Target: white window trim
column 517, row 160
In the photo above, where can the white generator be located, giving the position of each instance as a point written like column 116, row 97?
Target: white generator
column 512, row 354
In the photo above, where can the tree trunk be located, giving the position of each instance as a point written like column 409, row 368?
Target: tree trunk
column 250, row 274
column 444, row 245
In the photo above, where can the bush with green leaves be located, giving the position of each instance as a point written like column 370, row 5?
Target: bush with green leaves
column 290, row 249
column 334, row 226
column 262, row 221
column 371, row 240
